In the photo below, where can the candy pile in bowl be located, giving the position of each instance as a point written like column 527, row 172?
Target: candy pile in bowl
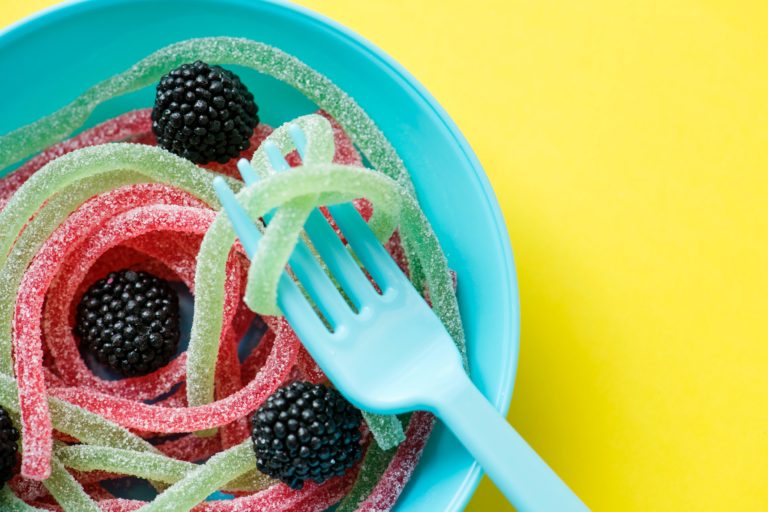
column 104, row 230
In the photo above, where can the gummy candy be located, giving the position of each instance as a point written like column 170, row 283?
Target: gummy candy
column 36, row 440
column 131, row 126
column 205, row 479
column 168, row 420
column 389, row 486
column 419, row 241
column 67, row 491
column 52, row 258
column 210, row 269
column 10, row 503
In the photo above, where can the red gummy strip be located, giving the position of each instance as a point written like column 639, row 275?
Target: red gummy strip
column 174, row 420
column 177, row 399
column 97, row 492
column 392, row 482
column 26, row 489
column 45, row 506
column 191, row 448
column 228, row 382
column 32, row 490
column 120, row 505
column 35, row 417
column 135, row 126
column 260, row 133
column 257, row 358
column 308, row 368
column 63, row 245
column 121, row 257
column 160, row 247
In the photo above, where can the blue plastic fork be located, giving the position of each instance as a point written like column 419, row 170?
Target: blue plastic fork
column 390, row 353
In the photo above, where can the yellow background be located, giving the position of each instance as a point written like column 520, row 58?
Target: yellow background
column 627, row 143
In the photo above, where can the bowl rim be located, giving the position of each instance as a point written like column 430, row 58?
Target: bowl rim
column 503, row 394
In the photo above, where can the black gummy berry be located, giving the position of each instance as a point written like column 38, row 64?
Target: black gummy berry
column 130, row 322
column 203, row 113
column 305, row 432
column 8, row 438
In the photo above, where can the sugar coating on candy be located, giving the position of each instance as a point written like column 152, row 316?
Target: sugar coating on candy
column 392, row 482
column 53, row 257
column 204, row 480
column 10, row 503
column 143, row 465
column 191, row 448
column 419, row 240
column 189, row 419
column 374, row 465
column 68, row 491
column 410, row 218
column 36, row 441
column 130, row 127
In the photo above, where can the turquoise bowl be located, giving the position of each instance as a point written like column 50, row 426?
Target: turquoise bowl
column 51, row 58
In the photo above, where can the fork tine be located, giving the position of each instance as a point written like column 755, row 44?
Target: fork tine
column 290, row 299
column 299, row 313
column 299, row 139
column 319, row 286
column 336, row 257
column 246, row 230
column 303, row 263
column 246, row 172
column 338, row 260
column 372, row 254
column 276, row 158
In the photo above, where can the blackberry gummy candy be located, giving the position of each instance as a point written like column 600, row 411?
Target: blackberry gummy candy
column 203, row 113
column 130, row 321
column 305, row 432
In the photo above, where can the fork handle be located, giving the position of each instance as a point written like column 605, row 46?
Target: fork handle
column 516, row 469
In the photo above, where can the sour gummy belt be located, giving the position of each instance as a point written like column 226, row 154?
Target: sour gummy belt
column 85, row 204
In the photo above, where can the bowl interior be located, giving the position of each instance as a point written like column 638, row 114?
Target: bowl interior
column 55, row 56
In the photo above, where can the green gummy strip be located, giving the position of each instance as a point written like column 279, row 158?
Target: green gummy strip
column 150, row 466
column 153, row 163
column 69, row 494
column 10, row 503
column 375, row 463
column 210, row 275
column 207, row 478
column 387, row 430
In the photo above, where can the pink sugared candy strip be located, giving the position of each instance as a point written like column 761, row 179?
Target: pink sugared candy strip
column 392, row 482
column 174, row 420
column 72, row 269
column 28, row 353
column 135, row 126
